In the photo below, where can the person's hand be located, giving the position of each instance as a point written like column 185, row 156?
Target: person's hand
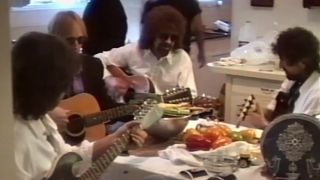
column 117, row 86
column 201, row 60
column 257, row 118
column 137, row 134
column 60, row 117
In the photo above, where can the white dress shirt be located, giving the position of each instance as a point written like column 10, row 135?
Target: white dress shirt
column 171, row 71
column 308, row 101
column 35, row 155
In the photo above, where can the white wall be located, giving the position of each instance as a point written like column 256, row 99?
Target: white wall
column 7, row 168
column 287, row 13
column 37, row 19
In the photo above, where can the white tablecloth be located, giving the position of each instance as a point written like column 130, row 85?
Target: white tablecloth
column 137, row 168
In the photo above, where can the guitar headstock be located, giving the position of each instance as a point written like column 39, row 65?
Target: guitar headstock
column 206, row 102
column 149, row 113
column 177, row 95
column 248, row 104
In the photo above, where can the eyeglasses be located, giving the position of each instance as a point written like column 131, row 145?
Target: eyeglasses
column 165, row 36
column 73, row 40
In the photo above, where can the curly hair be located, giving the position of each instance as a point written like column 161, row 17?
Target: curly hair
column 43, row 67
column 61, row 23
column 298, row 45
column 158, row 19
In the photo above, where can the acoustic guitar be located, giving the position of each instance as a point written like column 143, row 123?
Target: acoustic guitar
column 87, row 122
column 141, row 87
column 62, row 169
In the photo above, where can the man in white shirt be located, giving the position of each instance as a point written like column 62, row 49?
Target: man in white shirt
column 43, row 67
column 298, row 50
column 158, row 55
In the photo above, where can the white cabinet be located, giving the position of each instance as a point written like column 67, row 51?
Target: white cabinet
column 241, row 81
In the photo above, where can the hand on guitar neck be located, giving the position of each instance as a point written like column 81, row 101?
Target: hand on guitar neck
column 253, row 113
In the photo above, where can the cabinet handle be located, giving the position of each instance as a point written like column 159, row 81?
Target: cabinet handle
column 267, row 91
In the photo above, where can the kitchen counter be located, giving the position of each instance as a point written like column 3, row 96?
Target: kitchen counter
column 262, row 72
column 242, row 81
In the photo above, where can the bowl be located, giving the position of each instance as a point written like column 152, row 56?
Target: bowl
column 168, row 127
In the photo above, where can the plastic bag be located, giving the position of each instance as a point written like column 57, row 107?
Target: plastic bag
column 257, row 52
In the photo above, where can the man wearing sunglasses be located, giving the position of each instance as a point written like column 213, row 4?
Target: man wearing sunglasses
column 158, row 55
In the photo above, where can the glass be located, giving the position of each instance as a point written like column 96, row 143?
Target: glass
column 221, row 164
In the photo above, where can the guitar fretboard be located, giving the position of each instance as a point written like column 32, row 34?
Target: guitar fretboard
column 100, row 165
column 107, row 115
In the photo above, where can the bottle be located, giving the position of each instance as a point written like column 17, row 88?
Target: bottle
column 247, row 34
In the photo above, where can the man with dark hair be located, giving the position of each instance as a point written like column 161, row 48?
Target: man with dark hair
column 43, row 67
column 298, row 50
column 158, row 55
column 191, row 11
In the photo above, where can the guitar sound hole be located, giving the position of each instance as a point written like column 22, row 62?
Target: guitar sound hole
column 75, row 125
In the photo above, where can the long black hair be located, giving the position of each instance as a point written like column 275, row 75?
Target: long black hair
column 43, row 67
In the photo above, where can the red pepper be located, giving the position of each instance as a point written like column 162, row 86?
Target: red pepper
column 196, row 142
column 221, row 141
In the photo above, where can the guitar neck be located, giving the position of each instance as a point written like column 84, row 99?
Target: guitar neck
column 107, row 115
column 99, row 165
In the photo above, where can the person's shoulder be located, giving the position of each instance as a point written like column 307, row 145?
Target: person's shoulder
column 180, row 52
column 181, row 55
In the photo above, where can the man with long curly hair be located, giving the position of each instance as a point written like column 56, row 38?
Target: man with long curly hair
column 298, row 50
column 191, row 11
column 158, row 55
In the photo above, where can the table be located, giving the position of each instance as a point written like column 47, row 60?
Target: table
column 138, row 166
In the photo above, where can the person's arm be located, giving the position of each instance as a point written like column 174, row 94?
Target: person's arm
column 90, row 151
column 118, row 57
column 197, row 30
column 259, row 117
column 138, row 136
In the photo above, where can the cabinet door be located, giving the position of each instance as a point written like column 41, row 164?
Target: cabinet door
column 242, row 87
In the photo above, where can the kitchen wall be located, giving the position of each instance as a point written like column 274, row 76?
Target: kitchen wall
column 7, row 167
column 37, row 19
column 286, row 13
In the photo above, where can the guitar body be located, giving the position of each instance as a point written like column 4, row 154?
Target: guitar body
column 81, row 105
column 63, row 167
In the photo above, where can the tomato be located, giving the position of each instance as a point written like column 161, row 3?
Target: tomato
column 213, row 133
column 226, row 129
column 221, row 141
column 189, row 132
column 196, row 142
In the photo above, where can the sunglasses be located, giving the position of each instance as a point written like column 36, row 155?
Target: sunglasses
column 73, row 40
column 165, row 36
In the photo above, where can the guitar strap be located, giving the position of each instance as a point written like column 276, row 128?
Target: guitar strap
column 285, row 101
